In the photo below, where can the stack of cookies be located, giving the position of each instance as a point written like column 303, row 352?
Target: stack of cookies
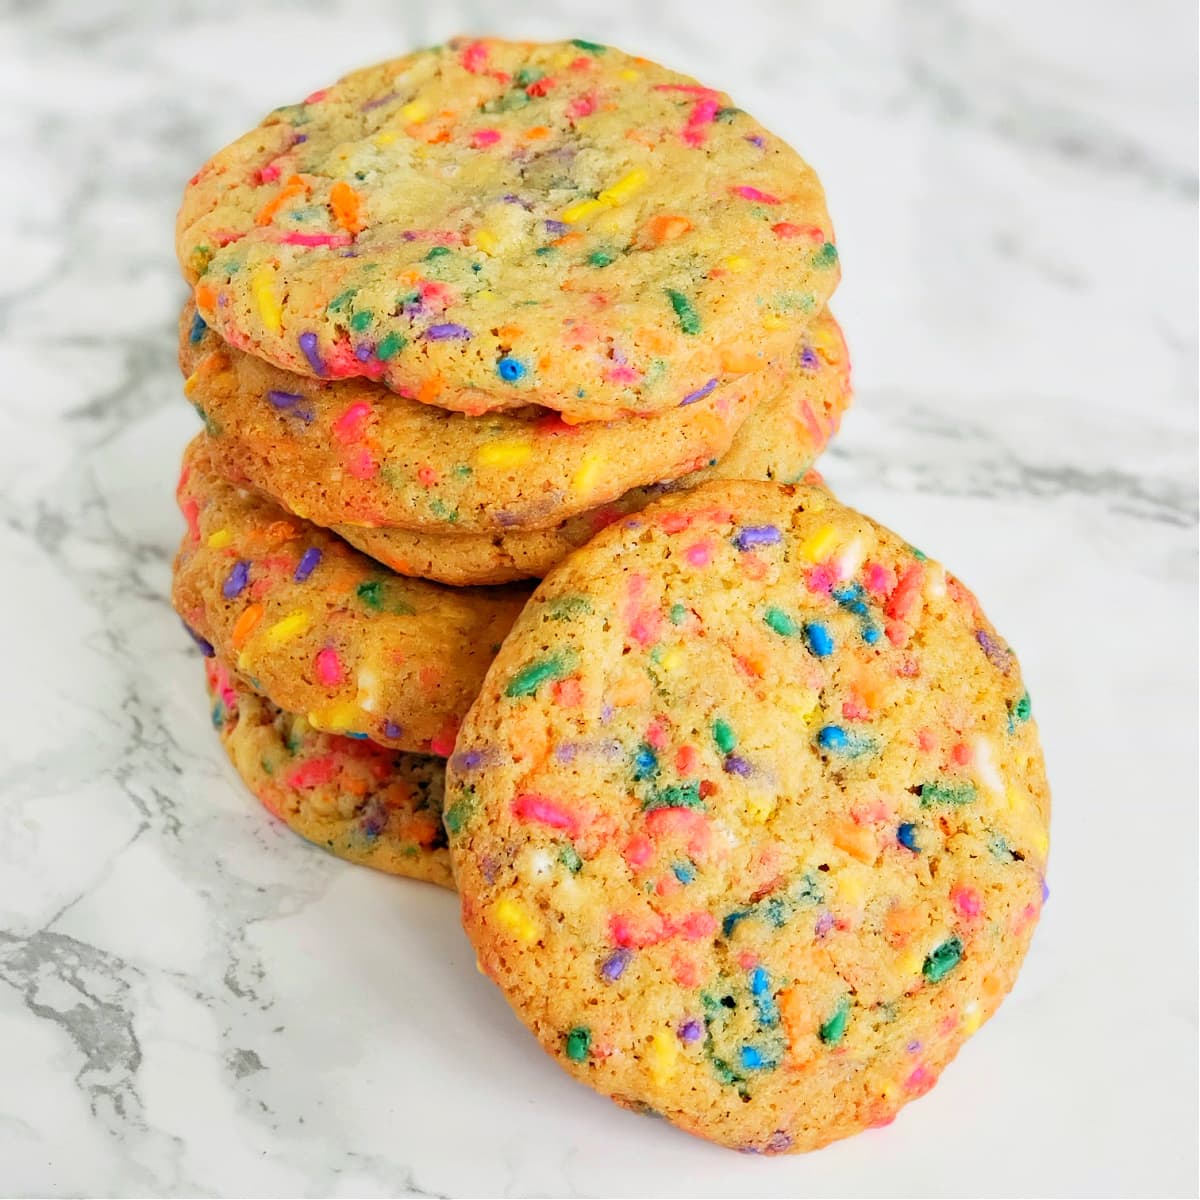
column 495, row 312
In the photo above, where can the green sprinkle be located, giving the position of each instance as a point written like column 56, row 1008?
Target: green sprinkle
column 680, row 795
column 361, row 320
column 460, row 812
column 601, row 258
column 566, row 607
column 371, row 593
column 677, row 615
column 1023, row 708
column 726, row 114
column 578, row 1043
column 341, row 300
column 570, row 859
column 590, row 47
column 527, row 75
column 781, row 623
column 834, row 1028
column 826, row 256
column 437, row 252
column 724, row 736
column 542, row 251
column 942, row 959
column 527, row 680
column 390, row 346
column 946, row 793
column 689, row 318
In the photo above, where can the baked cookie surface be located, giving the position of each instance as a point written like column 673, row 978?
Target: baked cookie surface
column 750, row 818
column 780, row 440
column 322, row 630
column 489, row 224
column 360, row 801
column 351, row 451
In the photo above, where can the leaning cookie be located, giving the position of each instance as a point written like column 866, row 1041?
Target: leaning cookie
column 750, row 818
column 780, row 440
column 323, row 630
column 352, row 451
column 488, row 224
column 360, row 801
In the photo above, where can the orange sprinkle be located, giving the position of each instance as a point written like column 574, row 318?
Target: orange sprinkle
column 799, row 1023
column 430, row 389
column 537, row 132
column 567, row 239
column 295, row 186
column 245, row 624
column 205, row 296
column 856, row 840
column 740, row 362
column 345, row 204
column 664, row 228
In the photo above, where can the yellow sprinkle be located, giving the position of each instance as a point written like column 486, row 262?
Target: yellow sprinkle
column 264, row 296
column 972, row 1017
column 761, row 804
column 772, row 321
column 584, row 479
column 819, row 543
column 337, row 718
column 1016, row 800
column 512, row 916
column 487, row 241
column 623, row 188
column 564, row 58
column 629, row 74
column 368, row 684
column 1041, row 842
column 910, row 963
column 851, row 889
column 671, row 660
column 190, row 382
column 888, row 1091
column 294, row 624
column 581, row 210
column 510, row 452
column 220, row 539
column 414, row 111
column 736, row 262
column 663, row 1055
column 386, row 138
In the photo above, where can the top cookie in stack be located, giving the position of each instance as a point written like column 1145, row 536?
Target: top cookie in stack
column 486, row 288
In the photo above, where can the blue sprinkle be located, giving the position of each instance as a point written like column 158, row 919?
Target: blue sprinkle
column 870, row 634
column 510, row 369
column 358, row 737
column 832, row 737
column 1045, row 891
column 906, row 835
column 206, row 647
column 730, row 923
column 750, row 536
column 818, row 639
column 684, row 872
column 197, row 330
column 699, row 393
column 753, row 1060
column 236, row 580
column 391, row 729
column 307, row 564
column 645, row 762
column 759, row 981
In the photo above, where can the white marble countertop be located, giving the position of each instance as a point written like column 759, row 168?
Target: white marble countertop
column 194, row 1001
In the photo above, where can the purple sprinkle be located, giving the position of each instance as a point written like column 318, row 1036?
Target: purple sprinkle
column 606, row 714
column 750, row 536
column 912, row 1047
column 824, row 924
column 205, row 645
column 808, row 359
column 778, row 1142
column 756, row 139
column 997, row 655
column 735, row 764
column 308, row 343
column 690, row 1031
column 699, row 394
column 378, row 102
column 448, row 333
column 284, row 399
column 614, row 965
column 1045, row 887
column 489, row 868
column 556, row 227
column 363, row 351
column 236, row 580
column 307, row 564
column 391, row 729
column 472, row 760
column 300, row 137
column 566, row 752
column 513, row 198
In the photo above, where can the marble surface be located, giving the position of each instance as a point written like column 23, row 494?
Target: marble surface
column 193, row 1001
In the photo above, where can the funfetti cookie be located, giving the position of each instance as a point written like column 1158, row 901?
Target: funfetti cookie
column 360, row 801
column 750, row 817
column 325, row 631
column 489, row 224
column 780, row 440
column 352, row 451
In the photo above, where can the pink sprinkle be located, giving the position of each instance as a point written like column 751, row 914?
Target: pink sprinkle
column 905, row 595
column 926, row 740
column 854, row 709
column 443, row 744
column 317, row 96
column 529, row 806
column 752, row 193
column 785, row 229
column 568, row 693
column 639, row 850
column 634, row 933
column 312, row 773
column 582, row 106
column 699, row 554
column 349, row 426
column 474, row 57
column 703, row 114
column 482, row 138
column 747, row 960
column 967, row 902
column 961, row 754
column 879, row 579
column 810, row 419
column 673, row 522
column 623, row 373
column 919, row 1082
column 191, row 514
column 686, row 972
column 293, row 237
column 897, row 632
column 426, row 476
column 686, row 822
column 688, row 89
column 656, row 733
column 360, row 464
column 820, row 578
column 698, row 925
column 329, row 667
column 269, row 173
